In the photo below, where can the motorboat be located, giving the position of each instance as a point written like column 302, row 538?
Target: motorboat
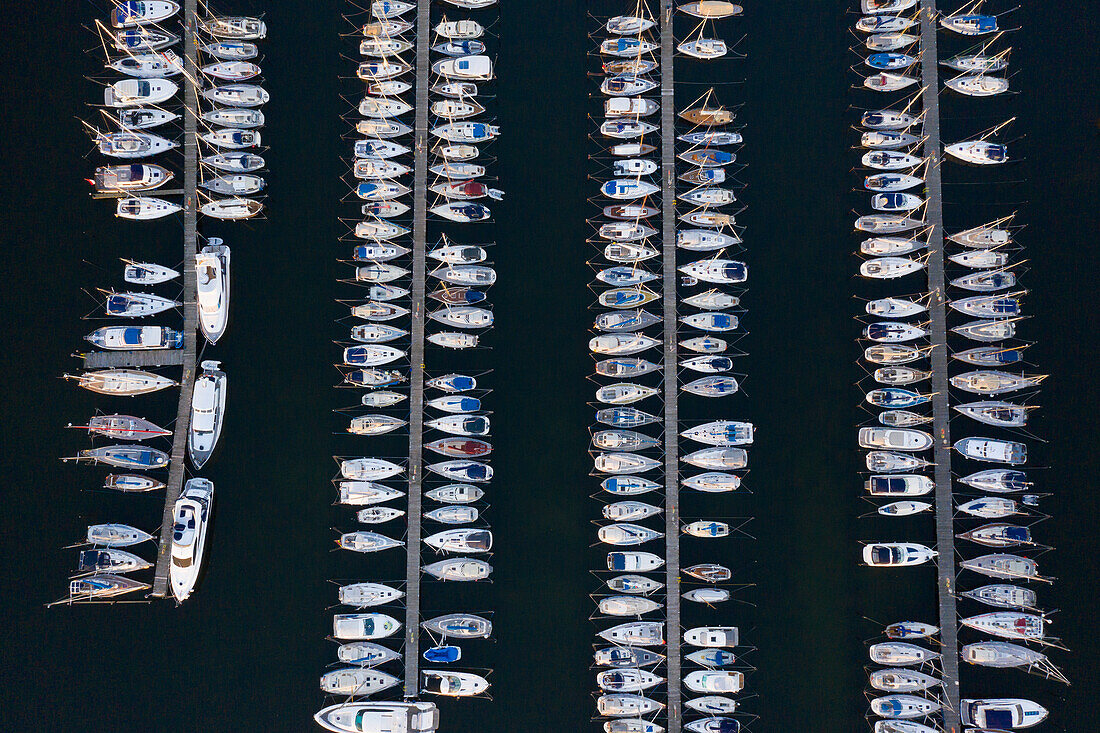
column 116, row 535
column 899, row 485
column 992, row 450
column 207, row 413
column 634, row 561
column 135, row 338
column 712, row 636
column 459, row 626
column 135, row 177
column 462, row 569
column 453, row 684
column 136, row 92
column 896, row 554
column 363, row 626
column 905, row 439
column 212, row 272
column 1001, row 713
column 465, row 68
column 191, row 517
column 110, row 561
column 379, row 717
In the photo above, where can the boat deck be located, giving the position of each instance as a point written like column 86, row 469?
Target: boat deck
column 177, row 469
column 416, row 353
column 941, row 414
column 671, row 387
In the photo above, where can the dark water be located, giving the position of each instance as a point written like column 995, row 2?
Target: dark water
column 245, row 653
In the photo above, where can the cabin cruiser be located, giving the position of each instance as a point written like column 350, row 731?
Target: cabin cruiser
column 191, row 517
column 712, row 636
column 894, row 439
column 465, row 68
column 1001, row 714
column 135, row 92
column 896, row 554
column 471, row 541
column 453, row 684
column 135, row 338
column 992, row 450
column 207, row 413
column 379, row 717
column 899, row 485
column 714, row 681
column 131, row 178
column 212, row 271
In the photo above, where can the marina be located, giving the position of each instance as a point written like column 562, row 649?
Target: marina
column 926, row 159
column 145, row 100
column 416, row 285
column 274, row 528
column 639, row 54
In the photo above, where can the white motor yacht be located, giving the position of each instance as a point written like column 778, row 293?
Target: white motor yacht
column 207, row 413
column 191, row 517
column 212, row 271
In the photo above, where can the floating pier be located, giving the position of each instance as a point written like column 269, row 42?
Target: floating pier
column 416, row 352
column 177, row 469
column 670, row 364
column 941, row 411
column 138, row 359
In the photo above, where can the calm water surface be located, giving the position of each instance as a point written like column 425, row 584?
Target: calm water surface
column 246, row 652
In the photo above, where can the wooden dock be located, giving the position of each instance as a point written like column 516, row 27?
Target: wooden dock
column 671, row 385
column 416, row 353
column 177, row 469
column 134, row 359
column 941, row 416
